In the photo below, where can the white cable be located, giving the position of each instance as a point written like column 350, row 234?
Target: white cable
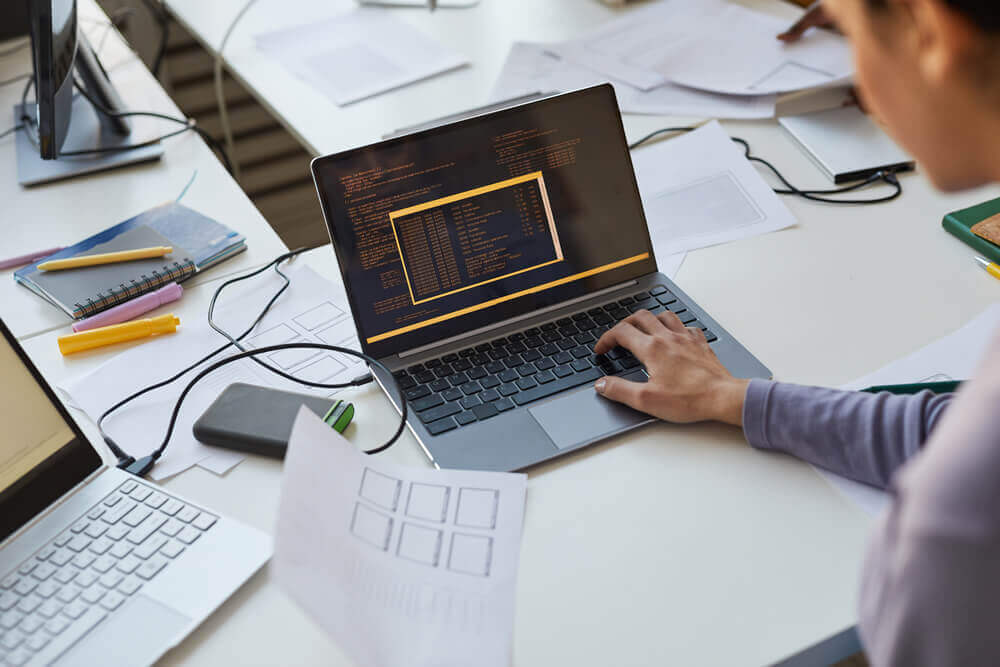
column 220, row 95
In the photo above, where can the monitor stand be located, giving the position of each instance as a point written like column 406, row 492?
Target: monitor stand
column 86, row 132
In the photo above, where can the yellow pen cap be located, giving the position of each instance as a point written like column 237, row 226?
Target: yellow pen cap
column 118, row 333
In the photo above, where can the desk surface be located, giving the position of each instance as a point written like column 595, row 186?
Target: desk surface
column 669, row 545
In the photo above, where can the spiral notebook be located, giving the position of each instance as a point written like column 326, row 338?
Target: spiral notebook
column 198, row 242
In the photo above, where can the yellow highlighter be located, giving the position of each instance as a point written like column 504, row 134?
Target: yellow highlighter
column 118, row 333
column 988, row 266
column 105, row 258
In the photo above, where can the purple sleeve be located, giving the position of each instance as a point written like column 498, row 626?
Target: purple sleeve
column 862, row 436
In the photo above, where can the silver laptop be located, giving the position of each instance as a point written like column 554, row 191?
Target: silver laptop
column 98, row 567
column 485, row 257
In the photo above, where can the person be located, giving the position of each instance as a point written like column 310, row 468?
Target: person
column 930, row 589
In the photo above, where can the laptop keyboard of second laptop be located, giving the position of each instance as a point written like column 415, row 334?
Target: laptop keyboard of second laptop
column 482, row 381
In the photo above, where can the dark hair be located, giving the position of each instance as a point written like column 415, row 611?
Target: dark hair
column 984, row 13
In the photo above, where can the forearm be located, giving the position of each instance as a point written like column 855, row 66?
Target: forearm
column 862, row 436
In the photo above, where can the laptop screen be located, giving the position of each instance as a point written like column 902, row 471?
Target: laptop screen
column 457, row 227
column 42, row 454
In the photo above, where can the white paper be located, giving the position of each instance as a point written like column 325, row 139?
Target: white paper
column 311, row 310
column 402, row 566
column 954, row 357
column 533, row 68
column 710, row 45
column 358, row 54
column 699, row 190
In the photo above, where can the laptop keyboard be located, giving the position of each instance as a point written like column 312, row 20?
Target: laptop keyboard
column 50, row 601
column 482, row 381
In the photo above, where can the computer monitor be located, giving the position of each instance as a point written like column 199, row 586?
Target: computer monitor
column 63, row 133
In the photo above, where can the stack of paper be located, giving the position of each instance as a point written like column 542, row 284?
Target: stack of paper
column 358, row 54
column 707, row 58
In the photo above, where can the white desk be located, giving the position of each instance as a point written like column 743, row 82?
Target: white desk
column 66, row 212
column 670, row 545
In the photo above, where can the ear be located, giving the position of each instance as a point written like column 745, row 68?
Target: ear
column 946, row 39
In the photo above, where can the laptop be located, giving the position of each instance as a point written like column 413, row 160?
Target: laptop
column 484, row 258
column 98, row 567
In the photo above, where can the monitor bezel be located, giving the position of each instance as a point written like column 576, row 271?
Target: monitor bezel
column 56, row 475
column 501, row 312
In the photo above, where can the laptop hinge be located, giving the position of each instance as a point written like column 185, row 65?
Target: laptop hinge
column 513, row 320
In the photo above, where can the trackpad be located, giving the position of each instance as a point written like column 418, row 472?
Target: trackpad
column 137, row 634
column 584, row 416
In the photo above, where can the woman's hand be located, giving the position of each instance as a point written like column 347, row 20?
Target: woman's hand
column 687, row 382
column 815, row 17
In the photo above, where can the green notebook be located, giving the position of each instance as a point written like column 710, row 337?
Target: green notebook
column 960, row 222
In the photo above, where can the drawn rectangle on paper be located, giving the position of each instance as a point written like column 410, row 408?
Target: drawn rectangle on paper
column 471, row 554
column 321, row 369
column 477, row 508
column 381, row 489
column 420, row 544
column 288, row 359
column 711, row 205
column 325, row 313
column 428, row 502
column 274, row 336
column 372, row 527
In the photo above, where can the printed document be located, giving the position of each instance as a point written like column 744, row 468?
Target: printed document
column 358, row 54
column 401, row 566
column 311, row 310
column 710, row 45
column 954, row 357
column 531, row 68
column 699, row 190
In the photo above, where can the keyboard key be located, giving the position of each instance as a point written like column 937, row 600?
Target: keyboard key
column 31, row 623
column 629, row 362
column 461, row 365
column 122, row 549
column 18, row 657
column 469, row 401
column 495, row 367
column 137, row 516
column 104, row 563
column 531, row 355
column 465, row 418
column 526, row 383
column 416, row 368
column 116, row 533
column 406, row 382
column 534, row 341
column 9, row 581
column 550, row 337
column 172, row 549
column 452, row 394
column 508, row 375
column 476, row 373
column 92, row 595
column 508, row 389
column 467, row 352
column 85, row 579
column 112, row 601
column 152, row 567
column 458, row 379
column 130, row 586
column 29, row 604
column 440, row 412
column 95, row 529
column 513, row 361
column 489, row 382
column 9, row 620
column 48, row 588
column 419, row 392
column 79, row 543
column 544, row 377
column 433, row 363
column 557, row 386
column 584, row 338
column 659, row 289
column 426, row 403
column 140, row 493
column 489, row 395
column 710, row 337
column 61, row 557
column 25, row 586
column 101, row 546
column 96, row 512
column 516, row 348
column 188, row 514
column 146, row 528
column 443, row 371
column 566, row 344
column 449, row 358
column 470, row 388
column 78, row 527
column 581, row 351
column 580, row 365
column 57, row 625
column 116, row 513
column 128, row 565
column 150, row 546
column 35, row 643
column 75, row 609
column 11, row 640
column 8, row 600
column 627, row 301
column 66, row 575
column 442, row 384
column 441, row 426
column 504, row 404
column 69, row 593
column 425, row 376
column 111, row 579
column 526, row 370
column 43, row 571
column 484, row 411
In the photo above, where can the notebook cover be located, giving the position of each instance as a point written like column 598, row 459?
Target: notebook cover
column 198, row 242
column 959, row 224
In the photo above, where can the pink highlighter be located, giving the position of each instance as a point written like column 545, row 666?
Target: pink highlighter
column 131, row 309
